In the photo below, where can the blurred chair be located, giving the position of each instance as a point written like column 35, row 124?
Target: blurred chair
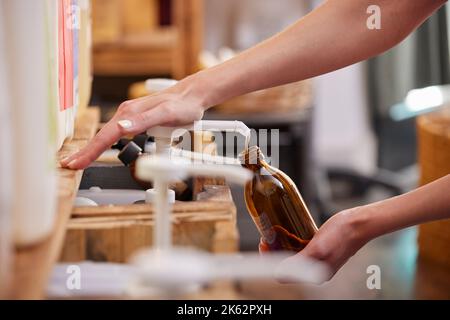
column 417, row 102
column 343, row 139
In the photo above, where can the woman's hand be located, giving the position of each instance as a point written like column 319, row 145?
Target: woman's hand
column 347, row 231
column 179, row 105
column 335, row 242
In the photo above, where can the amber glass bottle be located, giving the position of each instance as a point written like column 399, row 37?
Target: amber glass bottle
column 276, row 206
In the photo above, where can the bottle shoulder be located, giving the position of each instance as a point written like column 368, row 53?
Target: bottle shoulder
column 269, row 179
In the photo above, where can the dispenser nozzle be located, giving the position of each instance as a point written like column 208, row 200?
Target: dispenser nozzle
column 164, row 135
column 202, row 125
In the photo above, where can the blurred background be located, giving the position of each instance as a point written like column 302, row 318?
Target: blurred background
column 364, row 133
column 338, row 140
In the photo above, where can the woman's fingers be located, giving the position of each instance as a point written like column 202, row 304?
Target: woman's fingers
column 133, row 117
column 106, row 137
column 287, row 270
column 123, row 123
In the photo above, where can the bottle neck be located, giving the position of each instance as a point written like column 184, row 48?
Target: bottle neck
column 252, row 159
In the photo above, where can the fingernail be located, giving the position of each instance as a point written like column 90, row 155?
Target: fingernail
column 65, row 160
column 126, row 124
column 72, row 163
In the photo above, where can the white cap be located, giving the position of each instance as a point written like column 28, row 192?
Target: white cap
column 84, row 202
column 150, row 196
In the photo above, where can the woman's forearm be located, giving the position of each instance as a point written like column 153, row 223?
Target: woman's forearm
column 428, row 203
column 331, row 37
column 347, row 231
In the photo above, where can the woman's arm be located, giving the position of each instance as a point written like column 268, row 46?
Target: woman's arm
column 427, row 203
column 333, row 36
column 346, row 232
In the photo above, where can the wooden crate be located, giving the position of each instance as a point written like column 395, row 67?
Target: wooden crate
column 112, row 19
column 114, row 233
column 434, row 158
column 128, row 39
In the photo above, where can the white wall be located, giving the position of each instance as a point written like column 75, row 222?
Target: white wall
column 243, row 23
column 342, row 134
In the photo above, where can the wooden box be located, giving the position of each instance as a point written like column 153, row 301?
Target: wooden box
column 128, row 39
column 114, row 233
column 115, row 18
column 434, row 158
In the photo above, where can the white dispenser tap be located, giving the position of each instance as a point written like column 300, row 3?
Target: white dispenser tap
column 164, row 135
column 171, row 164
column 171, row 271
column 161, row 170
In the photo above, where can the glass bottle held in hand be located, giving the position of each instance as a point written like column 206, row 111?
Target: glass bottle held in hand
column 276, row 206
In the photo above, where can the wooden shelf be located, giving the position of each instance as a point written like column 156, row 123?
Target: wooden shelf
column 151, row 52
column 128, row 40
column 33, row 265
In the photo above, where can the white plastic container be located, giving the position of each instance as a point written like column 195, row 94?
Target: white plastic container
column 28, row 31
column 105, row 197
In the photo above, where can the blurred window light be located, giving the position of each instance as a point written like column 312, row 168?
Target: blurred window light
column 419, row 101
